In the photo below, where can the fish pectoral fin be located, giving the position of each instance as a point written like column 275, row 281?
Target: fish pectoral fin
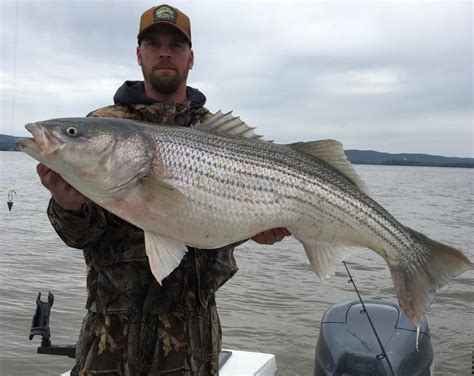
column 325, row 256
column 164, row 254
column 161, row 196
column 331, row 152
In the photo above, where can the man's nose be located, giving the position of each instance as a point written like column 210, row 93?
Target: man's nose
column 165, row 53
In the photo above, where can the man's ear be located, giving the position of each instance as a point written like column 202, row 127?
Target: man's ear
column 139, row 56
column 191, row 60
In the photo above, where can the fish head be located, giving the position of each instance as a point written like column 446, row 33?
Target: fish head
column 97, row 156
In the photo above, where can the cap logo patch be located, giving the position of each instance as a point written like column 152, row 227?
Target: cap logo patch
column 165, row 13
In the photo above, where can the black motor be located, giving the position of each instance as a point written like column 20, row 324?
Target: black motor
column 347, row 345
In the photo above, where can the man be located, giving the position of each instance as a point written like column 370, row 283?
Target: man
column 134, row 325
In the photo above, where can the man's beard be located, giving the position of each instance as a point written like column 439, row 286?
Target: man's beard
column 168, row 84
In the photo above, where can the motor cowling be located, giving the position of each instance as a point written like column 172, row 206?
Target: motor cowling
column 347, row 344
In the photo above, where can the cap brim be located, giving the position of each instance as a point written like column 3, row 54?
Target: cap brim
column 161, row 23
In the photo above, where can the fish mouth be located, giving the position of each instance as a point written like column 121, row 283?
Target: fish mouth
column 43, row 143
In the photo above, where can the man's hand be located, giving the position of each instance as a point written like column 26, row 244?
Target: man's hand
column 64, row 194
column 271, row 236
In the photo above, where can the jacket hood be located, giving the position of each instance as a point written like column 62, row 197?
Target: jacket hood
column 133, row 92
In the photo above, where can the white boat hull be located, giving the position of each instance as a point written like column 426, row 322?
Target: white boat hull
column 244, row 363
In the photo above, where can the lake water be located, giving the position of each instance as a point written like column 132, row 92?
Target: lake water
column 274, row 303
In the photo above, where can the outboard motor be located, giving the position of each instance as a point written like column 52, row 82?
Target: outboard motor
column 348, row 346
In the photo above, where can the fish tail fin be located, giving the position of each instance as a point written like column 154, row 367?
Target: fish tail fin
column 416, row 284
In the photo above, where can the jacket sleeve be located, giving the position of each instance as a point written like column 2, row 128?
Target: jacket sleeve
column 214, row 267
column 78, row 230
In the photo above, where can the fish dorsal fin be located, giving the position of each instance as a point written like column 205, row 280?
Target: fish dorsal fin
column 331, row 152
column 228, row 124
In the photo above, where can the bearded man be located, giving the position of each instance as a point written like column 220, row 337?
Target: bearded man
column 134, row 325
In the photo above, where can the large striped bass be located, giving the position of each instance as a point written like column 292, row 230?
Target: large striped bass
column 219, row 183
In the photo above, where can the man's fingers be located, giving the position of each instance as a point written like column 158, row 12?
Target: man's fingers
column 62, row 192
column 48, row 177
column 44, row 174
column 259, row 238
column 281, row 233
column 42, row 170
column 278, row 235
column 271, row 236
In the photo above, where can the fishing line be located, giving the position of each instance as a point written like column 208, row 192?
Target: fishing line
column 384, row 354
column 14, row 64
column 10, row 189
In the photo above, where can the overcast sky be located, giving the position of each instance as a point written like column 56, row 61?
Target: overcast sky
column 392, row 76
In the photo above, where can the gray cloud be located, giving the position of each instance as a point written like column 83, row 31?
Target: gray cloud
column 390, row 76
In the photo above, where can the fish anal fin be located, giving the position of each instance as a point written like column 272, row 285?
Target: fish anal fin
column 416, row 283
column 164, row 254
column 331, row 152
column 325, row 256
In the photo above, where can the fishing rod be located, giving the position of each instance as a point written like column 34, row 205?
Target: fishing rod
column 384, row 354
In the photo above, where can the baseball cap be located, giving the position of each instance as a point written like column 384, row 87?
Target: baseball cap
column 165, row 14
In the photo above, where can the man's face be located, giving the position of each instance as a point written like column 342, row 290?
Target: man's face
column 166, row 58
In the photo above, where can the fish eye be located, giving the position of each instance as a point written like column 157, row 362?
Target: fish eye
column 71, row 131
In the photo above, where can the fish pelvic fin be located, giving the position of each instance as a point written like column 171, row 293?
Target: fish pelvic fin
column 164, row 254
column 331, row 152
column 416, row 284
column 162, row 197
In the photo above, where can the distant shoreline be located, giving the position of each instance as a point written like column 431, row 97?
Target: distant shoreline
column 406, row 159
column 417, row 164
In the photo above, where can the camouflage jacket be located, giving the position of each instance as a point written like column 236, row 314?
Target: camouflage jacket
column 134, row 325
